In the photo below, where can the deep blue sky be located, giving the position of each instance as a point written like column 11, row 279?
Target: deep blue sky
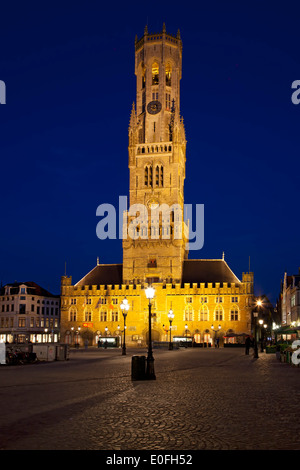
column 69, row 73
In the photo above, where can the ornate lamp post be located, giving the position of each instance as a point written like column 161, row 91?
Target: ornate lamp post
column 186, row 328
column 124, row 307
column 255, row 315
column 170, row 316
column 150, row 375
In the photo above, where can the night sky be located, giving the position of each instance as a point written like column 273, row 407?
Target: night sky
column 69, row 74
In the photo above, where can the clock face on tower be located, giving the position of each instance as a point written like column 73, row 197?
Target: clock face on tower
column 154, row 107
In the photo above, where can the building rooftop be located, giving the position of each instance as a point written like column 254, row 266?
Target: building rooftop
column 103, row 274
column 194, row 271
column 207, row 270
column 32, row 288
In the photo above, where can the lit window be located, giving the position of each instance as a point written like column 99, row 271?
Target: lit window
column 234, row 315
column 73, row 315
column 115, row 316
column 219, row 314
column 88, row 316
column 168, row 75
column 103, row 316
column 204, row 314
column 188, row 315
column 155, row 74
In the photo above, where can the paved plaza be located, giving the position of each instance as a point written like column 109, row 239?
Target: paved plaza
column 202, row 399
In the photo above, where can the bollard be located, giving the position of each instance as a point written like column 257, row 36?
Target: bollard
column 138, row 368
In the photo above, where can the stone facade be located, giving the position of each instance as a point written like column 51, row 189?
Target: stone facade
column 28, row 313
column 202, row 293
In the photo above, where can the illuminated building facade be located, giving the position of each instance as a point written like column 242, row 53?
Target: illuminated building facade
column 202, row 293
column 28, row 313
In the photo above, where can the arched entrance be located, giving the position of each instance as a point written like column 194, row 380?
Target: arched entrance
column 155, row 335
column 207, row 339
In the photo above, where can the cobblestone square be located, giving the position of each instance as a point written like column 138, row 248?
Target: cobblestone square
column 202, row 399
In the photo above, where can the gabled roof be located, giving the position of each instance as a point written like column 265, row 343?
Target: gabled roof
column 207, row 270
column 194, row 271
column 103, row 274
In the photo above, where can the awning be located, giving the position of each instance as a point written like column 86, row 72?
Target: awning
column 286, row 330
column 234, row 335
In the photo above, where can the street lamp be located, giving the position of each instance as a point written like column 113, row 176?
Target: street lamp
column 213, row 328
column 186, row 328
column 170, row 316
column 124, row 307
column 255, row 314
column 260, row 321
column 150, row 375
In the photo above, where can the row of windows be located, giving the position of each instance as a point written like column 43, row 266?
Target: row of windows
column 101, row 301
column 218, row 315
column 102, row 316
column 38, row 309
column 189, row 300
column 203, row 315
column 8, row 322
column 10, row 299
column 218, row 300
column 158, row 175
column 155, row 75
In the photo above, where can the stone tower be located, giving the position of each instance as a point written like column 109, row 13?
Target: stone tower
column 154, row 236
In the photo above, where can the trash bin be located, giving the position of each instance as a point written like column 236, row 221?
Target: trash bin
column 138, row 368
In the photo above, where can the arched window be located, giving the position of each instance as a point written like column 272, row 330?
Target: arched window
column 143, row 77
column 168, row 74
column 155, row 73
column 73, row 314
column 204, row 314
column 159, row 175
column 219, row 313
column 188, row 314
column 148, row 176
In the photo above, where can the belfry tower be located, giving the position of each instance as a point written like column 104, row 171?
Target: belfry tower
column 157, row 154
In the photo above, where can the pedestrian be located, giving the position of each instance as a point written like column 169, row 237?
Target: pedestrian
column 99, row 343
column 86, row 343
column 105, row 344
column 247, row 345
